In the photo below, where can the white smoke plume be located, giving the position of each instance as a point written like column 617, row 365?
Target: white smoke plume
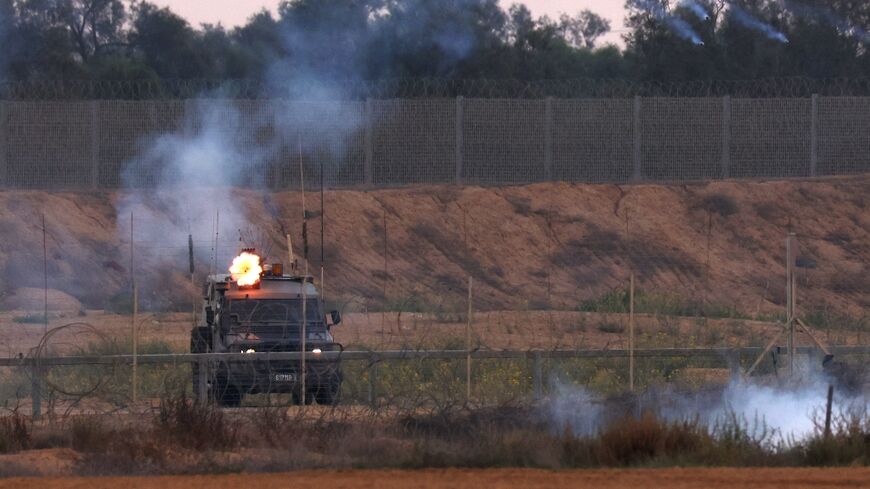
column 697, row 9
column 676, row 24
column 179, row 181
column 743, row 18
column 787, row 412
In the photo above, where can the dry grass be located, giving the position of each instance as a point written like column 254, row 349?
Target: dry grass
column 187, row 438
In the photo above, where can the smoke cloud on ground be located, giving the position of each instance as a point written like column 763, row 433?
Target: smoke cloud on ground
column 772, row 410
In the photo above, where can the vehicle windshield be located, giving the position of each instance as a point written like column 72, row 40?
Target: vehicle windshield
column 274, row 311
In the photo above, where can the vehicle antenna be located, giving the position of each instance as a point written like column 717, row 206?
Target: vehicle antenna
column 322, row 226
column 304, row 282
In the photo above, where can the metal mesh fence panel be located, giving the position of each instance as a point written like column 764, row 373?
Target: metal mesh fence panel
column 770, row 137
column 844, row 135
column 51, row 145
column 327, row 135
column 503, row 141
column 680, row 139
column 112, row 144
column 125, row 128
column 592, row 140
column 413, row 141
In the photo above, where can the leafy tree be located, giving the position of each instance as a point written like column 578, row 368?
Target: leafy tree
column 583, row 29
column 167, row 44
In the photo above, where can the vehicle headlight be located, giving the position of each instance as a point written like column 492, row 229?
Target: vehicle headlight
column 249, row 350
column 316, row 351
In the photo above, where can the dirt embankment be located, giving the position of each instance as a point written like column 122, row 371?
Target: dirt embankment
column 538, row 246
column 474, row 478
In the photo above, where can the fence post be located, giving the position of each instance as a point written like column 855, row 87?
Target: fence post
column 734, row 362
column 631, row 333
column 95, row 144
column 459, row 140
column 548, row 139
column 637, row 140
column 373, row 380
column 468, row 345
column 726, row 136
column 537, row 376
column 369, row 137
column 814, row 135
column 35, row 393
column 828, row 409
column 202, row 380
column 4, row 145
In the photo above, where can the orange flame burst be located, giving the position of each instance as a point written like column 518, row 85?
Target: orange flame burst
column 246, row 269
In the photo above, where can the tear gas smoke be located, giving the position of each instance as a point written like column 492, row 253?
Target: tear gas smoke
column 743, row 18
column 676, row 24
column 178, row 181
column 696, row 9
column 785, row 412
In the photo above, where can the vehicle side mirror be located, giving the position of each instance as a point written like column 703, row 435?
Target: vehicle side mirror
column 209, row 316
column 336, row 317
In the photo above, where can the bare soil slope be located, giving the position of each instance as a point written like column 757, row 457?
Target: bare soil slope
column 540, row 246
column 475, row 478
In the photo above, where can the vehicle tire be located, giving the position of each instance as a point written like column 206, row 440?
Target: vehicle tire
column 196, row 396
column 328, row 395
column 200, row 339
column 297, row 398
column 227, row 395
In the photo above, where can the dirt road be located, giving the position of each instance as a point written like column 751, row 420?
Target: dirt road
column 490, row 478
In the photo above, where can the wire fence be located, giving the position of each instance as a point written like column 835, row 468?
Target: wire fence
column 382, row 143
column 407, row 381
column 82, row 90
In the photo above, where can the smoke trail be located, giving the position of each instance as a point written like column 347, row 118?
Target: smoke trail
column 676, row 24
column 826, row 15
column 697, row 9
column 742, row 17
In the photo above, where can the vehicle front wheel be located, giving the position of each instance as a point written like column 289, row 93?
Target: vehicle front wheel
column 327, row 395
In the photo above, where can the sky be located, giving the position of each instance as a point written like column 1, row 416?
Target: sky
column 232, row 13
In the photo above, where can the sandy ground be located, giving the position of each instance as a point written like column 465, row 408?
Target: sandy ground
column 543, row 246
column 475, row 479
column 496, row 330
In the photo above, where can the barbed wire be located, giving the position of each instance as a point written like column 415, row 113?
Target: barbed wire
column 793, row 87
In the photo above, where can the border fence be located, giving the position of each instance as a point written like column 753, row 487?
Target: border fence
column 91, row 137
column 59, row 384
column 88, row 145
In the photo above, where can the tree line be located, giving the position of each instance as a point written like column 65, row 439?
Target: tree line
column 460, row 39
